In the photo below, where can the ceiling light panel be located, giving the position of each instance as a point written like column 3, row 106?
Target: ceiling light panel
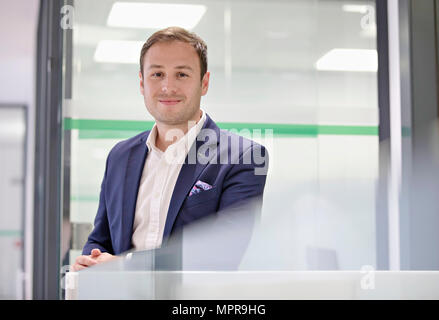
column 357, row 8
column 155, row 15
column 360, row 60
column 118, row 51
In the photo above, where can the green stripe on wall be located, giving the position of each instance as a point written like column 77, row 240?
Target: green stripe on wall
column 349, row 130
column 406, row 131
column 278, row 129
column 107, row 134
column 89, row 124
column 10, row 233
column 115, row 129
column 85, row 198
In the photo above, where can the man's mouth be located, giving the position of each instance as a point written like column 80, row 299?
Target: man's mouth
column 169, row 102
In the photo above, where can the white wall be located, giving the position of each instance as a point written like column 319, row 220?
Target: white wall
column 18, row 38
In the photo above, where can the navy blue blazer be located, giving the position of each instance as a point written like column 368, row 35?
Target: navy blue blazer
column 232, row 181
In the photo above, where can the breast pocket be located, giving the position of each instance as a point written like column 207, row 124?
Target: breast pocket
column 201, row 197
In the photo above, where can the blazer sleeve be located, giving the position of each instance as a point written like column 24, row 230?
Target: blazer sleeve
column 245, row 182
column 100, row 237
column 239, row 208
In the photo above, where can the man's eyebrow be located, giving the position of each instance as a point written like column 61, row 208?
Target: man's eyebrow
column 158, row 66
column 184, row 67
column 154, row 66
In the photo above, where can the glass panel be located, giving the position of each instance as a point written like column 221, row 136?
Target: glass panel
column 117, row 280
column 305, row 69
column 12, row 155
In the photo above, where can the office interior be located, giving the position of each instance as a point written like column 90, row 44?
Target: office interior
column 343, row 93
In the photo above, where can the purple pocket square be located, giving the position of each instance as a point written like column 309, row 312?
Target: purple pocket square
column 199, row 186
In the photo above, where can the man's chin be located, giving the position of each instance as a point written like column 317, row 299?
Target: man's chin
column 171, row 118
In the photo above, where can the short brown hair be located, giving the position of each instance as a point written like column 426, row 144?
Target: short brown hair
column 177, row 34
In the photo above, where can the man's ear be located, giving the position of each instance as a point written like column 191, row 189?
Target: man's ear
column 141, row 82
column 205, row 83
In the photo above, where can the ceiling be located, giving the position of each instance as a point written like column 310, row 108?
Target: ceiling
column 269, row 35
column 270, row 52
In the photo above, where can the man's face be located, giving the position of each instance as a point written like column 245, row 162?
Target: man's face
column 171, row 84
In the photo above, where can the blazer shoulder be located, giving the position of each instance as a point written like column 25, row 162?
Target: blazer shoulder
column 244, row 143
column 123, row 146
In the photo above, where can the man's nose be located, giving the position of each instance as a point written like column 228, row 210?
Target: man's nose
column 168, row 85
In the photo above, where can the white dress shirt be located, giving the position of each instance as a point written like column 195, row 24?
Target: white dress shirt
column 159, row 176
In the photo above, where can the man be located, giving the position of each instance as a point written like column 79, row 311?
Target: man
column 174, row 174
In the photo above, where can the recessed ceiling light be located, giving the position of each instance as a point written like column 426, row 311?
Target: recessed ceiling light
column 118, row 51
column 337, row 59
column 358, row 8
column 155, row 15
column 12, row 128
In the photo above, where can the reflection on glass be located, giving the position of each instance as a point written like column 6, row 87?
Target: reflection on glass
column 319, row 204
column 12, row 174
column 197, row 263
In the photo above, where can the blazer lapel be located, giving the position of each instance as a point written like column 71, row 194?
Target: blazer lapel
column 189, row 174
column 136, row 161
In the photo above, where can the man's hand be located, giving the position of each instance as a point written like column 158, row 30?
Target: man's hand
column 96, row 257
column 101, row 256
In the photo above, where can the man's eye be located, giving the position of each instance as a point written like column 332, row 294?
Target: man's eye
column 157, row 74
column 182, row 75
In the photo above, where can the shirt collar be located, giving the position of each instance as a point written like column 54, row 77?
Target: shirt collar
column 186, row 140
